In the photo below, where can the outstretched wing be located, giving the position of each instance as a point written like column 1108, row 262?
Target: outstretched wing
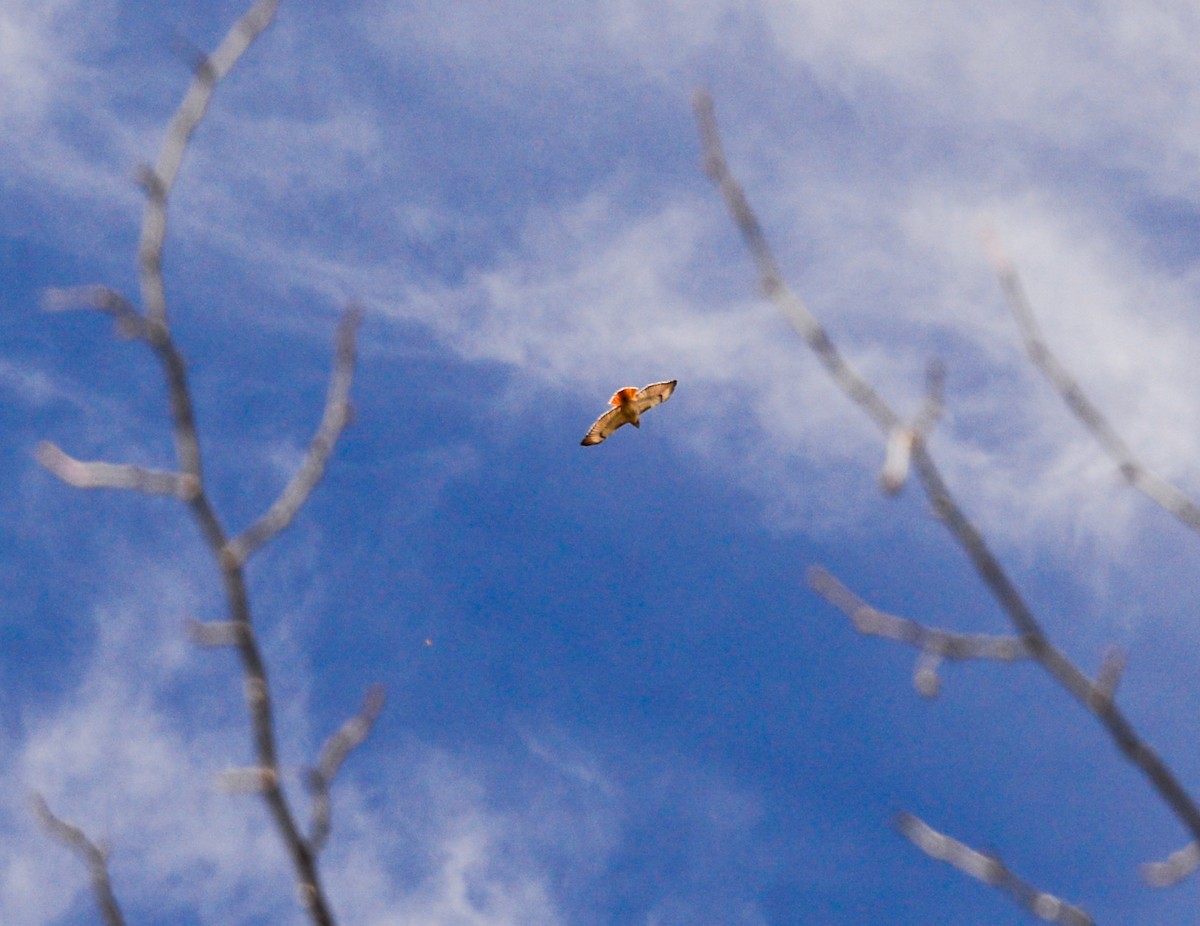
column 604, row 426
column 654, row 394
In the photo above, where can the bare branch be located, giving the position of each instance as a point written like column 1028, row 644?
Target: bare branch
column 252, row 780
column 903, row 437
column 990, row 870
column 1163, row 493
column 350, row 735
column 1109, row 675
column 1065, row 672
column 159, row 181
column 925, row 675
column 99, row 475
column 897, row 458
column 944, row 506
column 93, row 856
column 770, row 279
column 867, row 620
column 217, row 633
column 935, row 645
column 153, row 328
column 935, row 398
column 333, row 422
column 130, row 323
column 1179, row 865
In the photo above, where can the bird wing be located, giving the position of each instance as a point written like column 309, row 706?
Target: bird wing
column 604, row 426
column 654, row 394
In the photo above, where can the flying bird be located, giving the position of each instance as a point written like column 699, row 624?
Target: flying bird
column 629, row 404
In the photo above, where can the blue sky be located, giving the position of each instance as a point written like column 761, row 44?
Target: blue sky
column 612, row 696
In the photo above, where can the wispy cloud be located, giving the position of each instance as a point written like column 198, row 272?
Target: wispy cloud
column 589, row 290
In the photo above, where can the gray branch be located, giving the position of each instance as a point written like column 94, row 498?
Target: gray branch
column 188, row 483
column 904, row 437
column 333, row 422
column 158, row 181
column 130, row 324
column 1098, row 700
column 217, row 633
column 1163, row 493
column 100, row 475
column 348, row 737
column 770, row 279
column 93, row 856
column 935, row 645
column 1178, row 865
column 989, row 869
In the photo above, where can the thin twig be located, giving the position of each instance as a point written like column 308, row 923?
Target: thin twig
column 159, row 180
column 944, row 506
column 935, row 645
column 216, row 633
column 1167, row 496
column 1108, row 677
column 130, row 324
column 1178, row 865
column 93, row 856
column 770, row 279
column 252, row 780
column 903, row 437
column 349, row 736
column 333, row 422
column 99, row 475
column 989, row 869
column 154, row 329
column 158, row 184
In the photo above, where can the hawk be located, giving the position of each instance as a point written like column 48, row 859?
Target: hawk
column 629, row 403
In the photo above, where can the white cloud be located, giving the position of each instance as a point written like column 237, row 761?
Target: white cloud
column 600, row 291
column 39, row 48
column 498, row 49
column 31, row 386
column 1118, row 81
column 131, row 755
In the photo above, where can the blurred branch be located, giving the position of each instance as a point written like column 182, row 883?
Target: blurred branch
column 216, row 633
column 252, row 780
column 98, row 475
column 1163, row 493
column 333, row 422
column 990, row 870
column 1097, row 699
column 189, row 484
column 1178, row 866
column 99, row 299
column 770, row 279
column 349, row 736
column 903, row 437
column 159, row 180
column 93, row 856
column 935, row 645
column 1108, row 677
column 158, row 184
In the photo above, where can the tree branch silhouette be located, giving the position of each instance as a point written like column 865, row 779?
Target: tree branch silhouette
column 348, row 737
column 188, row 482
column 935, row 645
column 989, row 869
column 1166, row 495
column 1097, row 697
column 1163, row 493
column 93, row 856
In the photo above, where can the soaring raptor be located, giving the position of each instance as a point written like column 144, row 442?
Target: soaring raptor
column 629, row 403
